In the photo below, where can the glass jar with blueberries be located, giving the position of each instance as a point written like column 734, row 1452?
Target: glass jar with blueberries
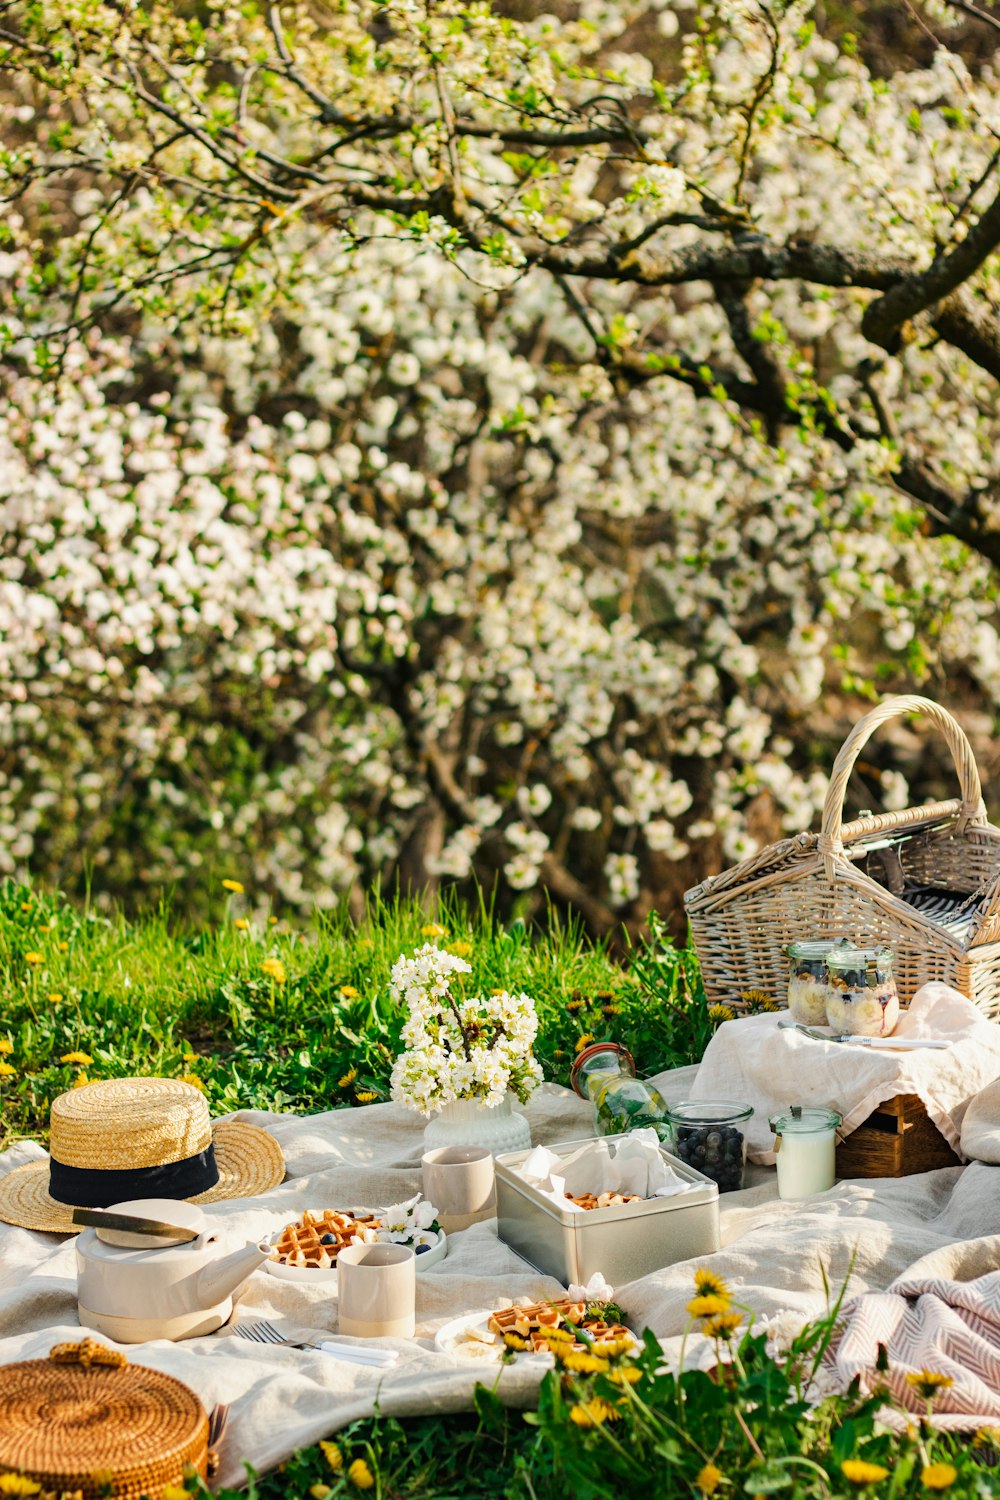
column 710, row 1135
column 605, row 1073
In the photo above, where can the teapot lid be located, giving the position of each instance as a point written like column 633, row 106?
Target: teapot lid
column 174, row 1212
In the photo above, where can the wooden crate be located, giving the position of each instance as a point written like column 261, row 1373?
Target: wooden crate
column 895, row 1141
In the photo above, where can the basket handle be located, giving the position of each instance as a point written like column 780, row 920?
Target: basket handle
column 970, row 809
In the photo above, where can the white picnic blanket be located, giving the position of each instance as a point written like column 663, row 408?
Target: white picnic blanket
column 775, row 1256
column 753, row 1061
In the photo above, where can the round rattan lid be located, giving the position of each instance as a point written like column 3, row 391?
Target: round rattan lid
column 249, row 1162
column 83, row 1426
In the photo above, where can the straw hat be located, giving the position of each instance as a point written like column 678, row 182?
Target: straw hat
column 105, row 1135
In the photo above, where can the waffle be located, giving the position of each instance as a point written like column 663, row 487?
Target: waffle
column 604, row 1200
column 533, row 1321
column 301, row 1244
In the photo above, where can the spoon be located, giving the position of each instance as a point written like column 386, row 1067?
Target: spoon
column 894, row 1043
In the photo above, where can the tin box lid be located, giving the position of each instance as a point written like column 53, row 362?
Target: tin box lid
column 804, row 1120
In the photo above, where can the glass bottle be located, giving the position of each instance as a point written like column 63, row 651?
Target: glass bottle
column 604, row 1072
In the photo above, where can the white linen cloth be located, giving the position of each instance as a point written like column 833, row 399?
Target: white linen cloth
column 282, row 1399
column 634, row 1165
column 752, row 1061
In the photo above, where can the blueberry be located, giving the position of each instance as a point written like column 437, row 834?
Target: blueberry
column 328, row 1239
column 421, row 1249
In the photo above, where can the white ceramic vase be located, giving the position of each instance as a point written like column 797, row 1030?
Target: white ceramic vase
column 468, row 1122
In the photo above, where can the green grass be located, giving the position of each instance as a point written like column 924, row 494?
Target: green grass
column 155, row 996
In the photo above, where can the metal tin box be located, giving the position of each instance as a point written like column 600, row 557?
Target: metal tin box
column 621, row 1243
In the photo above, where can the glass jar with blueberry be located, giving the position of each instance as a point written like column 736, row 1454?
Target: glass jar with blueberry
column 605, row 1073
column 710, row 1135
column 862, row 999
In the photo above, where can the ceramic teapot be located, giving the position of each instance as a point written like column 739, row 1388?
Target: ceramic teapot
column 133, row 1287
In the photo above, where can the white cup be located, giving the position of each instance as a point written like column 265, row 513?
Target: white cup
column 377, row 1291
column 459, row 1181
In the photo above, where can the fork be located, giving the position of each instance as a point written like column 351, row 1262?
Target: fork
column 262, row 1332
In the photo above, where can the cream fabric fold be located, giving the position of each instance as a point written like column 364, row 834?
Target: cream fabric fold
column 751, row 1060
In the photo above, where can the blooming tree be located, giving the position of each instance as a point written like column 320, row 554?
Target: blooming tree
column 437, row 443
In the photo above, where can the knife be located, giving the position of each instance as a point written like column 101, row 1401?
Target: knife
column 892, row 1043
column 99, row 1218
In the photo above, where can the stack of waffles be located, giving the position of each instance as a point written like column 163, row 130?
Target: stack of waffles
column 538, row 1319
column 315, row 1241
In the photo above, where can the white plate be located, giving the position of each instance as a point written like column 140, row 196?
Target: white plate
column 327, row 1275
column 453, row 1340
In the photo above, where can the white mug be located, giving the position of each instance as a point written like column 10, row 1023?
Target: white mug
column 459, row 1181
column 377, row 1291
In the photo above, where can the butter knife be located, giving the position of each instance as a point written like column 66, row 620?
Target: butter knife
column 890, row 1043
column 99, row 1218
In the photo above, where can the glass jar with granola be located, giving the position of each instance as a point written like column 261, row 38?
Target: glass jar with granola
column 808, row 982
column 863, row 1000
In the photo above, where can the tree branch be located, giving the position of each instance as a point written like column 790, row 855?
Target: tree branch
column 884, row 319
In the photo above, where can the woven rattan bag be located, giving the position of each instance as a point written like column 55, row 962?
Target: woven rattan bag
column 85, row 1420
column 924, row 882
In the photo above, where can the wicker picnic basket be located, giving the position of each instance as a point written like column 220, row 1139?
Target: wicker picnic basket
column 85, row 1420
column 924, row 882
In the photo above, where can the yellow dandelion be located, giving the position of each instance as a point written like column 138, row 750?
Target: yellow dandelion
column 607, row 1011
column 709, row 1478
column 582, row 1363
column 720, row 1013
column 755, row 997
column 723, row 1325
column 80, row 1080
column 175, row 1492
column 625, row 1375
column 241, row 924
column 593, row 1413
column 360, row 1475
column 515, row 1341
column 929, row 1382
column 768, row 1007
column 6, row 1048
column 348, row 992
column 274, row 969
column 366, row 1096
column 708, row 1306
column 272, row 921
column 987, row 1437
column 461, row 948
column 34, row 958
column 348, row 1078
column 6, row 1071
column 189, row 1056
column 709, row 1283
column 860, row 1471
column 194, row 1081
column 78, row 1059
column 333, row 1456
column 25, row 905
column 64, row 947
column 433, row 930
column 44, row 927
column 938, row 1476
column 55, row 997
column 585, row 1041
column 19, row 1484
column 556, row 1335
column 236, row 886
column 571, row 1005
column 320, row 1491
